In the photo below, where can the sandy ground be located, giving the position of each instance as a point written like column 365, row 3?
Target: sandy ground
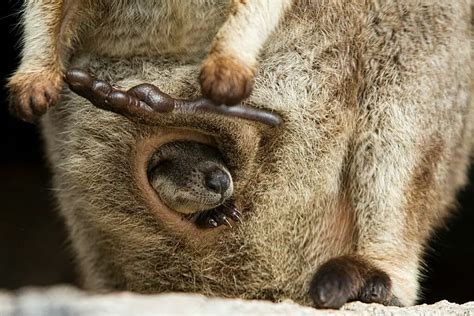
column 64, row 300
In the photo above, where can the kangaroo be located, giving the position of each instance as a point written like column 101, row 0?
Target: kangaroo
column 55, row 29
column 338, row 203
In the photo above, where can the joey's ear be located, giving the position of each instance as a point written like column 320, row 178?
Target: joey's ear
column 146, row 103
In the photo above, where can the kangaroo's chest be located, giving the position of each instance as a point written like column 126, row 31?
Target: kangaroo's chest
column 148, row 27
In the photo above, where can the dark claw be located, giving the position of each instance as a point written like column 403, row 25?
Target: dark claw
column 222, row 219
column 206, row 221
column 233, row 213
column 219, row 216
column 212, row 223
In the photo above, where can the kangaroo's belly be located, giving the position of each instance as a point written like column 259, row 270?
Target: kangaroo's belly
column 149, row 28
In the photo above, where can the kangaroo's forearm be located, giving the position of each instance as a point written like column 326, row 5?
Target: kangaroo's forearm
column 248, row 27
column 48, row 35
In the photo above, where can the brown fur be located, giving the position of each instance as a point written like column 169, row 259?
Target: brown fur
column 225, row 80
column 43, row 89
column 377, row 137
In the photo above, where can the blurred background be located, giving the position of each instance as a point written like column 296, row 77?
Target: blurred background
column 33, row 245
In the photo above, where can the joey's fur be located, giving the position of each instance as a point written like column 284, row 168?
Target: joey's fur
column 56, row 29
column 376, row 140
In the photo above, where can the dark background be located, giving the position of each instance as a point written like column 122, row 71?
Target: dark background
column 33, row 244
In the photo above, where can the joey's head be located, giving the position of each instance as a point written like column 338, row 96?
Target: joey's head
column 190, row 177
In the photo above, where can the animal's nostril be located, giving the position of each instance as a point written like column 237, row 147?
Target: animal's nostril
column 217, row 180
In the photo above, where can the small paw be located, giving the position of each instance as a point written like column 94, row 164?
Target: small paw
column 347, row 278
column 31, row 94
column 223, row 215
column 376, row 289
column 226, row 80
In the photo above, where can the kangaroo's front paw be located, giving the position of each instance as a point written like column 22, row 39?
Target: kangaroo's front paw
column 347, row 278
column 226, row 80
column 31, row 94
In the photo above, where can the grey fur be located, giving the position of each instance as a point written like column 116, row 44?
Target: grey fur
column 376, row 99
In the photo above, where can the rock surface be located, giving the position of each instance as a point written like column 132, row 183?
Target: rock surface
column 59, row 301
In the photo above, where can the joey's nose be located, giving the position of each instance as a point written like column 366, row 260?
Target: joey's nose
column 217, row 180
